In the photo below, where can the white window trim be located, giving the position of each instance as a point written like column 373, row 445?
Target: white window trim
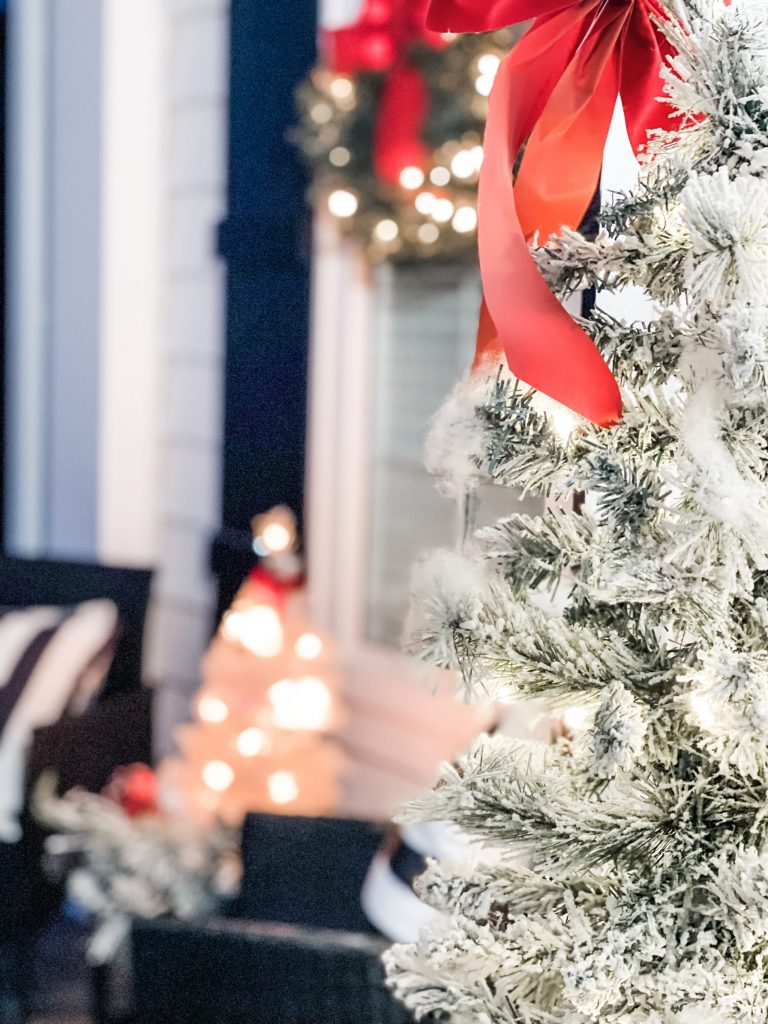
column 119, row 305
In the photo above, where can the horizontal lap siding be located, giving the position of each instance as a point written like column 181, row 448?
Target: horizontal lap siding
column 197, row 47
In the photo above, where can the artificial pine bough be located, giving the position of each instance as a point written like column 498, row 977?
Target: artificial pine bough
column 643, row 895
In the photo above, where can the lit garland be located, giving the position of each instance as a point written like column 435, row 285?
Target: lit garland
column 432, row 211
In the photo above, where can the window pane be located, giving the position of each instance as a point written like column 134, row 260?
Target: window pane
column 424, row 330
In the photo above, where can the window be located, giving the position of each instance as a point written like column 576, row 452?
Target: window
column 423, row 336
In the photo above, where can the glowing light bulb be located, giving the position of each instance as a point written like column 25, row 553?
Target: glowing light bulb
column 484, row 84
column 576, row 718
column 702, row 710
column 342, row 203
column 425, row 202
column 251, row 742
column 274, row 532
column 309, row 646
column 428, row 233
column 440, row 176
column 477, row 156
column 386, row 230
column 411, row 177
column 342, row 88
column 256, row 627
column 465, row 220
column 303, row 704
column 488, row 64
column 218, row 776
column 562, row 421
column 276, row 538
column 321, row 113
column 213, row 710
column 463, row 165
column 282, row 787
column 443, row 211
column 339, row 156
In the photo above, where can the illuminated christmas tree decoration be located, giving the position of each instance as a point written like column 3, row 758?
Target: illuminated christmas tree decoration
column 278, row 714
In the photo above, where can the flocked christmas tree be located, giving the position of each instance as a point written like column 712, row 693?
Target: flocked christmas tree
column 627, row 871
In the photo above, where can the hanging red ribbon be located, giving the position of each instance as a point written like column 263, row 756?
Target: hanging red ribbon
column 555, row 93
column 381, row 41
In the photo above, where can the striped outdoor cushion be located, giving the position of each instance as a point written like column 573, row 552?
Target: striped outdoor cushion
column 52, row 661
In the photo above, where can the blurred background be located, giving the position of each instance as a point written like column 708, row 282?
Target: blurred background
column 238, row 278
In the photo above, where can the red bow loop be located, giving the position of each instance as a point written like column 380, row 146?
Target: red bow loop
column 554, row 94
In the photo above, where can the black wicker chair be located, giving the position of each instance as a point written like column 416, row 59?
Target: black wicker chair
column 299, row 951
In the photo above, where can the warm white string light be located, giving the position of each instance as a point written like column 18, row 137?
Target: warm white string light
column 218, row 775
column 342, row 203
column 257, row 627
column 303, row 704
column 282, row 787
column 213, row 710
column 386, row 230
column 464, row 220
column 309, row 646
column 251, row 742
column 440, row 176
column 411, row 177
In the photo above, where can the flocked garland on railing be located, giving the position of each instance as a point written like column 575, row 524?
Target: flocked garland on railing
column 391, row 124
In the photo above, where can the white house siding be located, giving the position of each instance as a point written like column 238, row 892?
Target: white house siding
column 192, row 352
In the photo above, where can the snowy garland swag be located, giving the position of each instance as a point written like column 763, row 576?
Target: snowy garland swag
column 645, row 898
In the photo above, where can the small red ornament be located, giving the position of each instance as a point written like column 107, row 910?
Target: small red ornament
column 134, row 788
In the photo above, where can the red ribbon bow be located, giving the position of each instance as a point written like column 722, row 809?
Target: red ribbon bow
column 381, row 41
column 555, row 93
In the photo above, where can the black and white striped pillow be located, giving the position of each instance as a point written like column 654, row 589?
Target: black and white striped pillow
column 52, row 661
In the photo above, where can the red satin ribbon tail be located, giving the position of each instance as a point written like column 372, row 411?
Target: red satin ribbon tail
column 397, row 139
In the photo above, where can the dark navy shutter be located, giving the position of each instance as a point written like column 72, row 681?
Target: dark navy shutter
column 3, row 200
column 265, row 241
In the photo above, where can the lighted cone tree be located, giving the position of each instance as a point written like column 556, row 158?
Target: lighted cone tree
column 645, row 898
column 269, row 699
